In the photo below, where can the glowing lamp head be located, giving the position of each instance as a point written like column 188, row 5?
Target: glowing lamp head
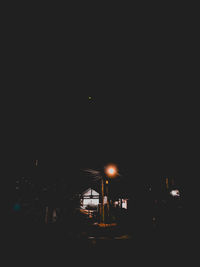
column 111, row 171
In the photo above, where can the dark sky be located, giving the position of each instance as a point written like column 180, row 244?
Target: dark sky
column 147, row 131
column 143, row 111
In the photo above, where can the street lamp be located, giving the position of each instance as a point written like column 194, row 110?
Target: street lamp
column 111, row 171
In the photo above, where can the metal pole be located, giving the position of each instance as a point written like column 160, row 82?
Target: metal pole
column 108, row 204
column 102, row 191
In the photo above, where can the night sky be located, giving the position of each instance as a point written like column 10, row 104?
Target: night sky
column 86, row 96
column 146, row 131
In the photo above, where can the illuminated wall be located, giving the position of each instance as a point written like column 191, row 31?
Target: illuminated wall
column 90, row 198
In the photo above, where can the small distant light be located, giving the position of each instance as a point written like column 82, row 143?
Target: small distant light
column 175, row 193
column 106, row 181
column 90, row 97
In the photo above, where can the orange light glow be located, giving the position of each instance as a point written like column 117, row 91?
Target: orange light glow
column 111, row 171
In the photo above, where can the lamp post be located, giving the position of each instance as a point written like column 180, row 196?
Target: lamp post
column 111, row 171
column 102, row 194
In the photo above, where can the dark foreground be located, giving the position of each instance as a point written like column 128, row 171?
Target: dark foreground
column 54, row 244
